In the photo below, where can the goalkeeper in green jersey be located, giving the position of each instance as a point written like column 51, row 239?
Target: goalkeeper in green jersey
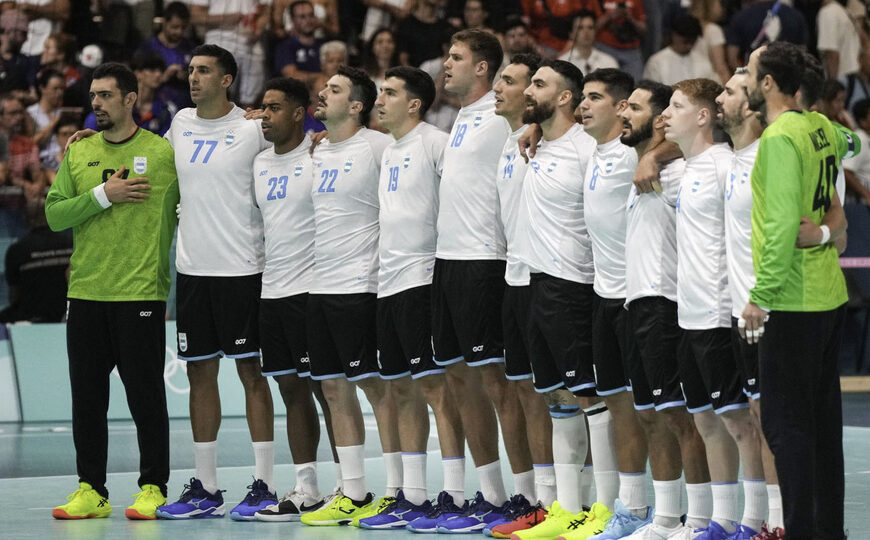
column 118, row 192
column 797, row 303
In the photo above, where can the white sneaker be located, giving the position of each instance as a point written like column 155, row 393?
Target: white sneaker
column 291, row 507
column 654, row 531
column 683, row 533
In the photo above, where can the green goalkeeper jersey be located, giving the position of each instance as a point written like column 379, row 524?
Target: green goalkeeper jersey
column 794, row 175
column 121, row 253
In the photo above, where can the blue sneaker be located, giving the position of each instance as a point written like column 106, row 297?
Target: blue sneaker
column 517, row 506
column 195, row 502
column 258, row 498
column 479, row 514
column 443, row 509
column 714, row 531
column 397, row 515
column 622, row 523
column 742, row 533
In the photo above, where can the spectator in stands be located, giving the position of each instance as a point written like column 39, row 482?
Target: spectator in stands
column 582, row 52
column 298, row 55
column 236, row 25
column 58, row 54
column 838, row 40
column 36, row 271
column 380, row 54
column 833, row 103
column 517, row 39
column 712, row 41
column 325, row 12
column 382, row 14
column 858, row 83
column 88, row 60
column 46, row 112
column 332, row 54
column 761, row 22
column 171, row 43
column 475, row 15
column 24, row 170
column 15, row 65
column 45, row 18
column 680, row 60
column 551, row 22
column 63, row 130
column 857, row 168
column 419, row 35
column 620, row 29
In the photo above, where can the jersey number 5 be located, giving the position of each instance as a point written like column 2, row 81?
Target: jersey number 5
column 827, row 174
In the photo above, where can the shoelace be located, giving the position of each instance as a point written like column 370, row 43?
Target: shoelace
column 532, row 510
column 256, row 495
column 289, row 495
column 518, row 507
column 75, row 494
column 145, row 492
column 477, row 505
column 189, row 492
column 441, row 507
column 619, row 519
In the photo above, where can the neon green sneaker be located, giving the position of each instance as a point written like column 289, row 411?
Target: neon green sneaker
column 83, row 503
column 558, row 521
column 146, row 503
column 339, row 511
column 596, row 521
column 377, row 507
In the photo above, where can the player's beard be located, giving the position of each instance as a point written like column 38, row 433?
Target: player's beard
column 538, row 113
column 756, row 101
column 638, row 135
column 104, row 123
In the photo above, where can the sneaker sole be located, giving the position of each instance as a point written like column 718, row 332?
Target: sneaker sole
column 328, row 523
column 235, row 516
column 277, row 517
column 385, row 527
column 433, row 530
column 57, row 513
column 463, row 530
column 134, row 514
column 216, row 512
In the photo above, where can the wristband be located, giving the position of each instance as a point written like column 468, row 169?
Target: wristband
column 826, row 234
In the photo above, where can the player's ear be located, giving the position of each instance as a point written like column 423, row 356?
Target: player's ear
column 299, row 114
column 658, row 122
column 414, row 105
column 227, row 80
column 130, row 99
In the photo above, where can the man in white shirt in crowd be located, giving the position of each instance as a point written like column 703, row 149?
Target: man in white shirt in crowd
column 838, row 40
column 708, row 370
column 680, row 60
column 582, row 53
column 858, row 168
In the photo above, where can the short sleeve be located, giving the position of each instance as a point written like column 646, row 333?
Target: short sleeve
column 713, row 35
column 827, row 30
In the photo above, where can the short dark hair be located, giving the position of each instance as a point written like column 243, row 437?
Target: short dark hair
column 618, row 84
column 583, row 14
column 223, row 58
column 294, row 90
column 813, row 80
column 362, row 89
column 860, row 109
column 572, row 76
column 514, row 21
column 124, row 77
column 46, row 75
column 418, row 85
column 831, row 88
column 530, row 60
column 68, row 119
column 293, row 5
column 484, row 47
column 659, row 95
column 147, row 59
column 177, row 10
column 687, row 26
column 781, row 60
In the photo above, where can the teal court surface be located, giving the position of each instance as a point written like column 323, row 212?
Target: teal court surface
column 37, row 471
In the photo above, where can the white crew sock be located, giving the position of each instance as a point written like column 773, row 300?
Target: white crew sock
column 393, row 464
column 587, row 485
column 569, row 454
column 353, row 472
column 754, row 503
column 524, row 484
column 205, row 459
column 339, row 485
column 632, row 491
column 264, row 462
column 668, row 494
column 602, row 443
column 414, row 477
column 454, row 478
column 306, row 479
column 774, row 504
column 545, row 484
column 725, row 510
column 491, row 483
column 700, row 505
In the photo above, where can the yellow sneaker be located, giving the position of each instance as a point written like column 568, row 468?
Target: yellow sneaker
column 377, row 507
column 339, row 511
column 595, row 523
column 557, row 522
column 146, row 503
column 83, row 503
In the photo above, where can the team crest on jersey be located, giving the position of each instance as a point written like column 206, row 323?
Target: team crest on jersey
column 229, row 138
column 536, row 166
column 551, row 167
column 477, row 120
column 140, row 164
column 297, row 171
column 182, row 341
column 608, row 167
column 347, row 165
column 407, row 162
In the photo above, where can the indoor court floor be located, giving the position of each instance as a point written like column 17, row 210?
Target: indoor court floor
column 37, row 470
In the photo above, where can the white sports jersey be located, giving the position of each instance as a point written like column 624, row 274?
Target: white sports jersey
column 468, row 224
column 703, row 298
column 551, row 228
column 234, row 38
column 651, row 238
column 345, row 193
column 738, row 227
column 282, row 183
column 220, row 231
column 509, row 180
column 606, row 187
column 408, row 194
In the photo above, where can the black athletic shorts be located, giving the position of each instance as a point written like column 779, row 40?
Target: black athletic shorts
column 618, row 367
column 342, row 334
column 466, row 306
column 654, row 321
column 560, row 335
column 282, row 335
column 709, row 372
column 746, row 356
column 218, row 316
column 515, row 322
column 405, row 334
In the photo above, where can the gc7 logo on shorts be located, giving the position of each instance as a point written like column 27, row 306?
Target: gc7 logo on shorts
column 144, row 313
column 570, row 373
column 241, row 341
column 415, row 361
